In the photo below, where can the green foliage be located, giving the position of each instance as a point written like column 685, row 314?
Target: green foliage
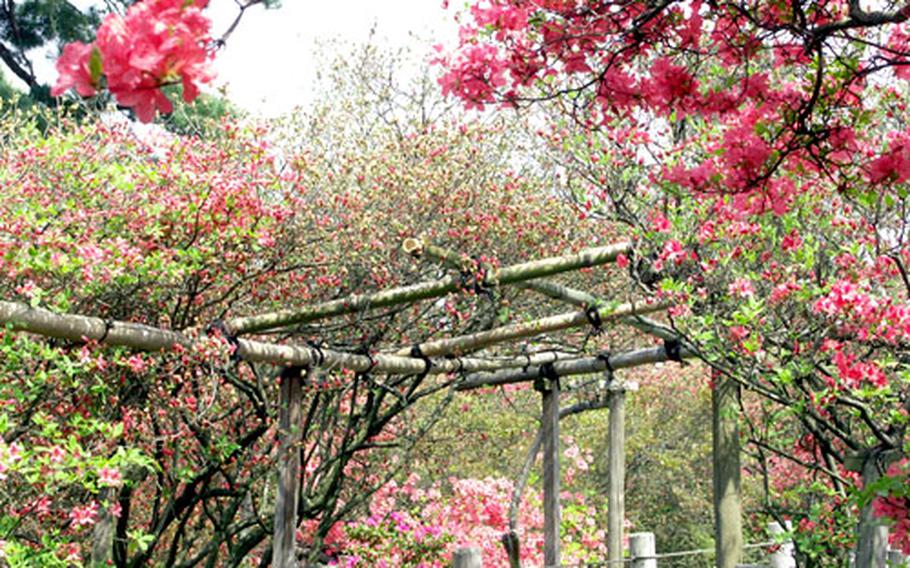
column 199, row 118
column 395, row 541
column 35, row 23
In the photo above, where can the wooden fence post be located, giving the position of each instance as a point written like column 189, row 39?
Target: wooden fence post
column 467, row 557
column 616, row 460
column 782, row 557
column 549, row 389
column 103, row 531
column 871, row 532
column 642, row 550
column 728, row 524
column 285, row 524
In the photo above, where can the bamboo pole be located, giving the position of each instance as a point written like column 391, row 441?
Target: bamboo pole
column 21, row 317
column 426, row 290
column 285, row 520
column 474, row 341
column 580, row 366
column 575, row 297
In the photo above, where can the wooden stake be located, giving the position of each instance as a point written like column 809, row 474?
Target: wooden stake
column 549, row 389
column 469, row 557
column 285, row 524
column 103, row 531
column 642, row 549
column 782, row 557
column 616, row 511
column 871, row 533
column 728, row 531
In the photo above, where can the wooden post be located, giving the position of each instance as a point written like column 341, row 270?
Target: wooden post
column 549, row 389
column 728, row 531
column 468, row 557
column 872, row 534
column 103, row 531
column 616, row 460
column 643, row 549
column 285, row 524
column 782, row 557
column 513, row 547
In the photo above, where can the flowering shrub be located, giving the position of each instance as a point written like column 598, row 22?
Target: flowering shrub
column 425, row 525
column 396, row 539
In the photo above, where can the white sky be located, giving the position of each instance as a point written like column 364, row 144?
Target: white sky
column 268, row 64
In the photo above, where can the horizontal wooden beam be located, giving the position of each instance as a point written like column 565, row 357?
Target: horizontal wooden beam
column 425, row 290
column 21, row 317
column 580, row 366
column 474, row 341
column 554, row 290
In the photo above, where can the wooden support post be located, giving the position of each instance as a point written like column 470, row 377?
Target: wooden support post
column 549, row 389
column 616, row 460
column 871, row 533
column 285, row 524
column 468, row 557
column 728, row 531
column 643, row 549
column 782, row 557
column 103, row 531
column 513, row 547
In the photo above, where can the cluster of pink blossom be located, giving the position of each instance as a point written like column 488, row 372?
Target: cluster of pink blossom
column 467, row 512
column 157, row 43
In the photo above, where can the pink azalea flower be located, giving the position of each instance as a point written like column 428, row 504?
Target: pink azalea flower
column 85, row 516
column 109, row 477
column 74, row 70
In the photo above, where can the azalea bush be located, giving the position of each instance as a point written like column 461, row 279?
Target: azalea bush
column 422, row 524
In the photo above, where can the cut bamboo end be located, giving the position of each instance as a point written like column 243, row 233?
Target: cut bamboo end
column 412, row 246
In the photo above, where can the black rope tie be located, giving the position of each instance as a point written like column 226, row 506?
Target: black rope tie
column 673, row 350
column 605, row 357
column 475, row 278
column 593, row 315
column 320, row 354
column 547, row 377
column 222, row 329
column 108, row 325
column 417, row 353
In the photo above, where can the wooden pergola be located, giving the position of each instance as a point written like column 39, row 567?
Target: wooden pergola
column 456, row 356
